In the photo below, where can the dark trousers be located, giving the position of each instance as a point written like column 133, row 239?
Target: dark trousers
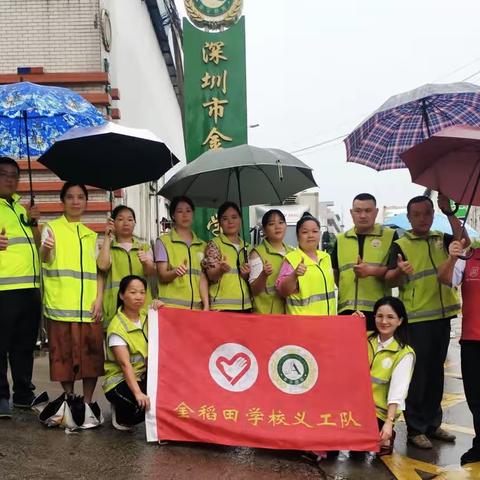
column 430, row 340
column 127, row 410
column 20, row 312
column 470, row 354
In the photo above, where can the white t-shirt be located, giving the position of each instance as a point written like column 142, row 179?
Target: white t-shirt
column 458, row 272
column 117, row 341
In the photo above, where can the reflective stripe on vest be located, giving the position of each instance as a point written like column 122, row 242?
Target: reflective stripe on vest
column 55, row 312
column 316, row 293
column 303, row 302
column 70, row 280
column 181, row 303
column 425, row 298
column 184, row 291
column 135, row 338
column 19, row 280
column 231, row 292
column 381, row 371
column 71, row 273
column 269, row 301
column 19, row 262
column 123, row 263
column 363, row 292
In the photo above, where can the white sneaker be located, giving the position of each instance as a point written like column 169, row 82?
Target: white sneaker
column 119, row 426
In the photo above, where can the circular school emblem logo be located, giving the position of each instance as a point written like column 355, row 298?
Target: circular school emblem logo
column 376, row 243
column 387, row 363
column 293, row 369
column 213, row 14
column 233, row 367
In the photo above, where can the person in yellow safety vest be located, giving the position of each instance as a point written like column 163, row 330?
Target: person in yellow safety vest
column 20, row 304
column 306, row 277
column 72, row 298
column 391, row 366
column 226, row 264
column 125, row 382
column 178, row 255
column 413, row 265
column 359, row 260
column 265, row 261
column 121, row 255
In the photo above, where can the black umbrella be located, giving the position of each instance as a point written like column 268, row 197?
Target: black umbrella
column 109, row 156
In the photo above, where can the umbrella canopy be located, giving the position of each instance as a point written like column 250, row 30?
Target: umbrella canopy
column 448, row 162
column 407, row 119
column 440, row 222
column 32, row 116
column 109, row 156
column 245, row 174
column 49, row 112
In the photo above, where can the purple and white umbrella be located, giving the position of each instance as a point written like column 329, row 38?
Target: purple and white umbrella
column 407, row 119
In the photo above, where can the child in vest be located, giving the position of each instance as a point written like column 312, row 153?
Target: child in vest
column 125, row 383
column 391, row 366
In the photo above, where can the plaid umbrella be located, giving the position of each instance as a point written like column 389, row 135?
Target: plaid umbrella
column 409, row 118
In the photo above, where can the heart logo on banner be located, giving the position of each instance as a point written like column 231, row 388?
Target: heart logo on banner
column 234, row 368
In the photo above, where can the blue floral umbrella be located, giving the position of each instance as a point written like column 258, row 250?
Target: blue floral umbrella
column 32, row 116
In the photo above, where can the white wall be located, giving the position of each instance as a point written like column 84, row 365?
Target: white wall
column 147, row 98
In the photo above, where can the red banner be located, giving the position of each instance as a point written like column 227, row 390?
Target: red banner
column 269, row 381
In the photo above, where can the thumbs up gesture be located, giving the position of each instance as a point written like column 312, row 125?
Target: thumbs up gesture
column 224, row 266
column 49, row 242
column 301, row 268
column 456, row 248
column 404, row 266
column 267, row 268
column 142, row 256
column 3, row 239
column 182, row 269
column 361, row 269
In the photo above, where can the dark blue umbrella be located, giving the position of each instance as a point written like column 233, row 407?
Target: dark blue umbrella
column 33, row 116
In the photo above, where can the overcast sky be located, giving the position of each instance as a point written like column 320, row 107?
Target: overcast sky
column 316, row 69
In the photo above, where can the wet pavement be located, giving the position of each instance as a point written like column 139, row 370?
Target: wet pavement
column 30, row 451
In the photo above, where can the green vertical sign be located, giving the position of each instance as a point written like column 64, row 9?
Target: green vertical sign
column 215, row 100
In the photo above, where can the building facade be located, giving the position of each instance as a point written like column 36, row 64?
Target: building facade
column 121, row 55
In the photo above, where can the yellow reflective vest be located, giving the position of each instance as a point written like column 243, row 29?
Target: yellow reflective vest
column 183, row 292
column 70, row 280
column 269, row 301
column 136, row 339
column 316, row 292
column 362, row 293
column 19, row 263
column 425, row 298
column 123, row 263
column 231, row 292
column 382, row 365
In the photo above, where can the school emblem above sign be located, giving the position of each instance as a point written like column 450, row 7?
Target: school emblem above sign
column 213, row 14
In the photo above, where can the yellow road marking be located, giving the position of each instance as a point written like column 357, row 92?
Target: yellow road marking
column 452, row 399
column 405, row 468
column 454, row 375
column 458, row 428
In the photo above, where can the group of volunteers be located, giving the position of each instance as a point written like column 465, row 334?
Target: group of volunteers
column 94, row 297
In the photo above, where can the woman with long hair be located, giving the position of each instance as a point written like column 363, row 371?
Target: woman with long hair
column 226, row 263
column 265, row 261
column 391, row 365
column 179, row 254
column 306, row 276
column 122, row 254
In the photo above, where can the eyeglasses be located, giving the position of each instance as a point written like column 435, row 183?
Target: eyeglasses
column 13, row 176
